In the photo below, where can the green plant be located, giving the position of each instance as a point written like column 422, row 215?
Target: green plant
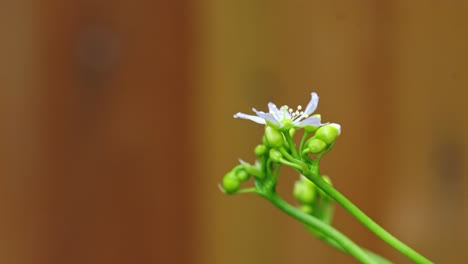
column 313, row 191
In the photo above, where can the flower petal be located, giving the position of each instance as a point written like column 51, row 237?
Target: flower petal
column 256, row 119
column 311, row 121
column 272, row 107
column 267, row 117
column 312, row 104
column 274, row 111
column 284, row 110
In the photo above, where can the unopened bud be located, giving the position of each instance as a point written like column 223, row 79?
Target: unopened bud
column 231, row 183
column 242, row 175
column 303, row 192
column 260, row 150
column 316, row 146
column 327, row 179
column 328, row 133
column 273, row 137
column 275, row 155
column 292, row 131
column 307, row 209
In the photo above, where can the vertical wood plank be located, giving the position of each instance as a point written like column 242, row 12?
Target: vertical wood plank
column 429, row 199
column 115, row 179
column 20, row 207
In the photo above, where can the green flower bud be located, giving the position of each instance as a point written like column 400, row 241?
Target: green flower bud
column 292, row 131
column 260, row 150
column 275, row 155
column 328, row 133
column 307, row 209
column 231, row 183
column 327, row 179
column 316, row 146
column 303, row 192
column 273, row 137
column 242, row 175
column 312, row 129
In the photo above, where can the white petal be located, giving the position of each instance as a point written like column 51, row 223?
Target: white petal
column 311, row 121
column 272, row 107
column 267, row 116
column 274, row 111
column 312, row 104
column 256, row 119
column 284, row 113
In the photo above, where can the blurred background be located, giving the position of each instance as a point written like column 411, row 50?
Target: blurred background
column 116, row 126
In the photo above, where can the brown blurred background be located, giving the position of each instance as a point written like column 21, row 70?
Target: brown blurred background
column 116, row 126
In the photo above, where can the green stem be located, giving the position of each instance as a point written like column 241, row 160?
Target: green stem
column 291, row 144
column 365, row 220
column 287, row 155
column 320, row 156
column 290, row 164
column 377, row 258
column 344, row 242
column 247, row 190
column 304, row 137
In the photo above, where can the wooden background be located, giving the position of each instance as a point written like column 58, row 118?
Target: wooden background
column 393, row 73
column 116, row 126
column 95, row 101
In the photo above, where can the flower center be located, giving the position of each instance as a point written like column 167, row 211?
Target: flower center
column 298, row 114
column 286, row 113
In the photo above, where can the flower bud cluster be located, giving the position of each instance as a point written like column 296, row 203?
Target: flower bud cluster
column 323, row 138
column 312, row 200
column 273, row 141
column 278, row 148
column 305, row 191
column 271, row 151
column 233, row 179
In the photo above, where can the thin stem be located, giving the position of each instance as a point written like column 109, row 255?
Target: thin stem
column 344, row 242
column 290, row 164
column 304, row 137
column 275, row 174
column 320, row 156
column 365, row 220
column 377, row 258
column 286, row 154
column 263, row 166
column 247, row 190
column 291, row 144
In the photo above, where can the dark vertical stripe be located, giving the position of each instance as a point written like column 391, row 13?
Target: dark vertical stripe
column 114, row 123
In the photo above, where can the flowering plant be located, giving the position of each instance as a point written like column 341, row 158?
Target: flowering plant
column 313, row 191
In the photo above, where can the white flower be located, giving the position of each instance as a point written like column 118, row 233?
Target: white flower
column 286, row 117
